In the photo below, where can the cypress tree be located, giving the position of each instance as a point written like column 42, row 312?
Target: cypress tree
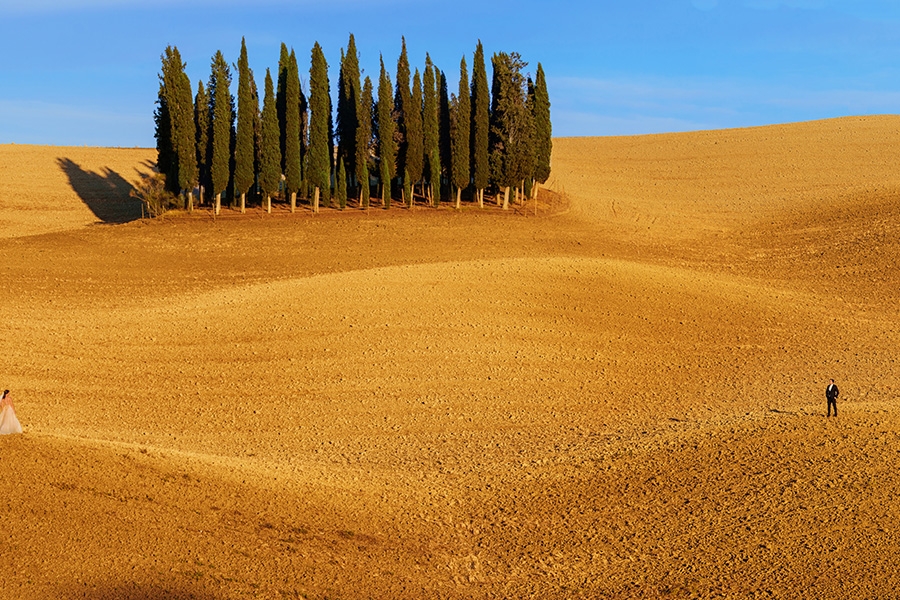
column 187, row 134
column 340, row 185
column 430, row 130
column 348, row 107
column 444, row 124
column 543, row 142
column 364, row 141
column 257, row 131
column 222, row 126
column 292, row 130
column 509, row 131
column 481, row 170
column 246, row 115
column 414, row 141
column 304, row 141
column 460, row 134
column 179, row 146
column 400, row 113
column 201, row 125
column 386, row 143
column 319, row 126
column 270, row 153
column 284, row 60
column 166, row 160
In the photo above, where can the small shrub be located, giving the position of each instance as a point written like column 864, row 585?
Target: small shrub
column 151, row 190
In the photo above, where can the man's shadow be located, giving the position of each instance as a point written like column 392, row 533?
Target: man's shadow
column 107, row 194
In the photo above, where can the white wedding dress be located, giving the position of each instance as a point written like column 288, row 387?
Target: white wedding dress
column 8, row 421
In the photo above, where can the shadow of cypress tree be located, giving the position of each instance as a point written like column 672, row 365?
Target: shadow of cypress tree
column 107, row 194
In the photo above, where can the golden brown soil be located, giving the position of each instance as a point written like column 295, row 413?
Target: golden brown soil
column 622, row 400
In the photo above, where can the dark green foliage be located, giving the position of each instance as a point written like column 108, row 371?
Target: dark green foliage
column 434, row 162
column 460, row 126
column 284, row 60
column 543, row 134
column 364, row 139
column 407, row 189
column 291, row 158
column 320, row 121
column 201, row 124
column 444, row 123
column 415, row 148
column 178, row 142
column 304, row 140
column 385, row 133
column 348, row 107
column 270, row 155
column 402, row 108
column 340, row 185
column 364, row 192
column 257, row 130
column 430, row 129
column 481, row 170
column 510, row 122
column 166, row 160
column 222, row 123
column 246, row 115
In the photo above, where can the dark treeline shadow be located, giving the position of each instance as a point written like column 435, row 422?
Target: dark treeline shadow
column 107, row 194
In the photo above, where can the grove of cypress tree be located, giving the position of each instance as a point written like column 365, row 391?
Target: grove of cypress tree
column 430, row 130
column 543, row 134
column 460, row 133
column 340, row 185
column 401, row 110
column 415, row 149
column 201, row 125
column 292, row 130
column 364, row 133
column 319, row 126
column 222, row 126
column 385, row 129
column 246, row 115
column 481, row 170
column 270, row 152
column 348, row 107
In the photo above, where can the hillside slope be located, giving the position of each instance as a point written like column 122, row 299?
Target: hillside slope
column 625, row 400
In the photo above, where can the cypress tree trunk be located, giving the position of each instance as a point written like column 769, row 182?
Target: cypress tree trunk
column 316, row 200
column 458, row 194
column 218, row 203
column 243, row 202
column 505, row 198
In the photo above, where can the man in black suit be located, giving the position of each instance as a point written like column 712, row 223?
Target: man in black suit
column 831, row 393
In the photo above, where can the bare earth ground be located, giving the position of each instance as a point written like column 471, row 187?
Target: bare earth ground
column 624, row 399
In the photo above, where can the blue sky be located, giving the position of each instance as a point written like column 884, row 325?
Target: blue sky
column 84, row 72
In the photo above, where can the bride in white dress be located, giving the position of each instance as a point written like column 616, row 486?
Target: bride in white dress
column 8, row 421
